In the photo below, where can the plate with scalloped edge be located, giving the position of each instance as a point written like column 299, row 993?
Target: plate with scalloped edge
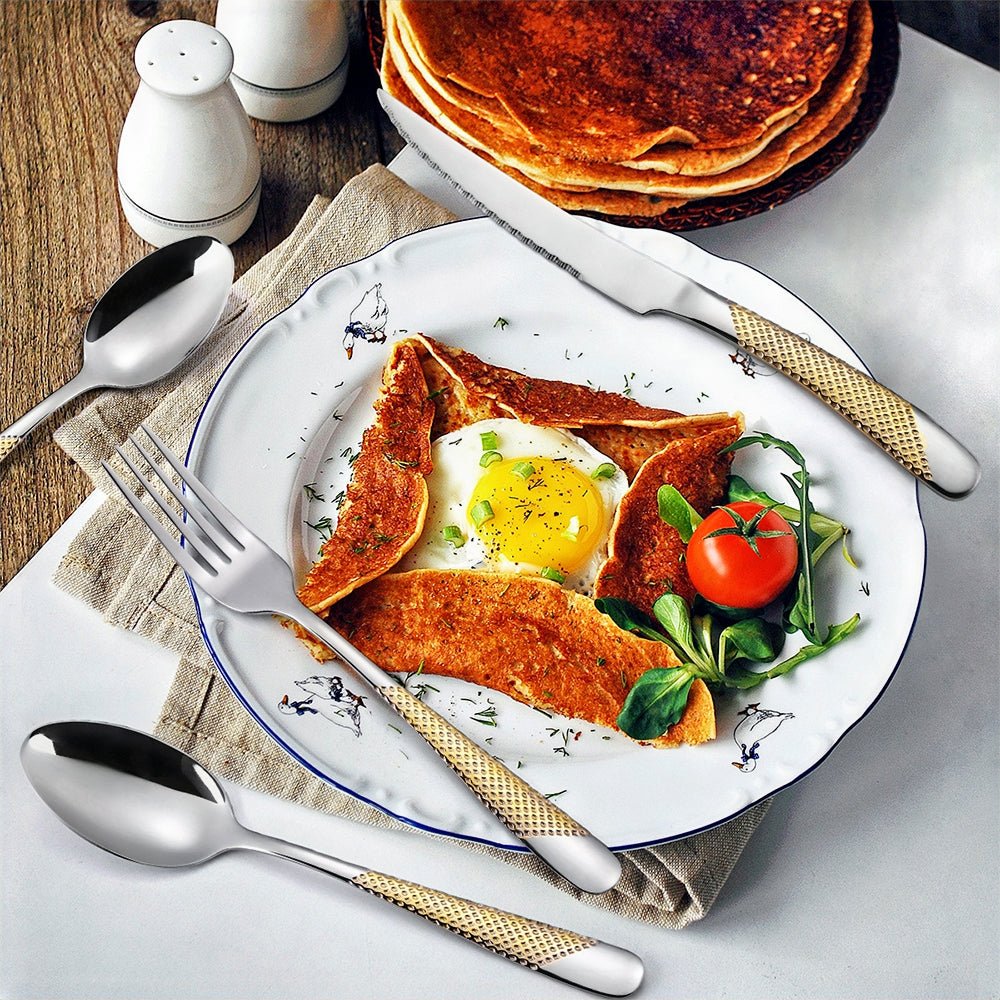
column 276, row 439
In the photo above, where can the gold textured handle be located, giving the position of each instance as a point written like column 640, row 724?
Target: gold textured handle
column 562, row 954
column 522, row 940
column 7, row 445
column 515, row 803
column 889, row 420
column 541, row 825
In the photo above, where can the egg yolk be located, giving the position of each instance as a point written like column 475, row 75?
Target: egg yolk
column 541, row 511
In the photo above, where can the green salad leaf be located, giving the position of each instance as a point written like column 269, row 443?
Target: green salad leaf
column 655, row 702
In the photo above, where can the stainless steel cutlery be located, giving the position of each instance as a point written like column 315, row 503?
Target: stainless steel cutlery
column 236, row 568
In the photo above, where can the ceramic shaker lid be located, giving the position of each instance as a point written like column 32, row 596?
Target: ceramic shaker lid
column 183, row 58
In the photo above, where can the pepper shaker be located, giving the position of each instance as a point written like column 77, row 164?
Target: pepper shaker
column 291, row 59
column 188, row 163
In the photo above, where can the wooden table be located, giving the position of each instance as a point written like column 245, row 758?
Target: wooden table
column 68, row 81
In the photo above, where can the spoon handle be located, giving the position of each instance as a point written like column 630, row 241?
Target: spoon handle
column 566, row 955
column 574, row 958
column 13, row 435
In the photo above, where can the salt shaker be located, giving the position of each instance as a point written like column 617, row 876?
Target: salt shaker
column 188, row 163
column 291, row 58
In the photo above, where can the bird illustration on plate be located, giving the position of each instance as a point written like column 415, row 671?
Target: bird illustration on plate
column 367, row 321
column 329, row 698
column 753, row 728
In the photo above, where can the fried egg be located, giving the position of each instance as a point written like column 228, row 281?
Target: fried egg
column 512, row 497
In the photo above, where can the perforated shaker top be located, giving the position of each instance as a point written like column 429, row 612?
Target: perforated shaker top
column 183, row 58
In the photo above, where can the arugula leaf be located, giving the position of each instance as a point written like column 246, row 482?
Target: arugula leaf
column 655, row 702
column 745, row 679
column 802, row 614
column 677, row 512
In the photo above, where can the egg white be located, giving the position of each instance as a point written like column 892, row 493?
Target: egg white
column 456, row 472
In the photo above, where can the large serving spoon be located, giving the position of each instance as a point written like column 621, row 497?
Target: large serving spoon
column 146, row 801
column 144, row 325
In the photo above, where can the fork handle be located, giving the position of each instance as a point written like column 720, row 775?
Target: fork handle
column 566, row 846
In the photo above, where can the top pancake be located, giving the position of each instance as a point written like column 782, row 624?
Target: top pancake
column 706, row 74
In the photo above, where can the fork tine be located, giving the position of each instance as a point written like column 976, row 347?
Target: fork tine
column 210, row 532
column 226, row 518
column 185, row 558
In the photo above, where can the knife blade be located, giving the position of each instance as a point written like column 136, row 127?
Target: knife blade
column 644, row 285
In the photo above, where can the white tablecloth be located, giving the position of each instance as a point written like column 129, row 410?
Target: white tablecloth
column 876, row 876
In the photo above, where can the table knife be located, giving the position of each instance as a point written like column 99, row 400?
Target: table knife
column 644, row 285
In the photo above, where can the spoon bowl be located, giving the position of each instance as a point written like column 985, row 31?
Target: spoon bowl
column 141, row 799
column 157, row 312
column 144, row 325
column 129, row 793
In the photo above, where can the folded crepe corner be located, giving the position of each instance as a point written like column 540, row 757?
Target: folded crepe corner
column 371, row 535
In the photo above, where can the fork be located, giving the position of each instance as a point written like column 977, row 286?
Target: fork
column 239, row 570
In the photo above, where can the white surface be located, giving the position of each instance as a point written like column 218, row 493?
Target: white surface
column 875, row 877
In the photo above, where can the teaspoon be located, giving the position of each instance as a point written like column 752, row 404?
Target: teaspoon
column 144, row 325
column 146, row 801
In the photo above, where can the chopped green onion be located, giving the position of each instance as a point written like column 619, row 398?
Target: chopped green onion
column 523, row 469
column 573, row 529
column 552, row 574
column 489, row 439
column 481, row 513
column 604, row 471
column 489, row 458
column 453, row 533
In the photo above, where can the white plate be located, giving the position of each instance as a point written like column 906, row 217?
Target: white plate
column 290, row 409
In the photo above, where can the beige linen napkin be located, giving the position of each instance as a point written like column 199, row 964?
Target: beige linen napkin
column 116, row 566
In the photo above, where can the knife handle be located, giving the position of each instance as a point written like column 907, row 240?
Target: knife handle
column 900, row 429
column 566, row 955
column 535, row 820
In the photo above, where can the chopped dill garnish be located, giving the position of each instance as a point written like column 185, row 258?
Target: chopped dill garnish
column 501, row 323
column 324, row 526
column 311, row 492
column 486, row 717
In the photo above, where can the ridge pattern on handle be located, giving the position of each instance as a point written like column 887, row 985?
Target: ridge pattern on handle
column 516, row 804
column 876, row 411
column 7, row 445
column 528, row 942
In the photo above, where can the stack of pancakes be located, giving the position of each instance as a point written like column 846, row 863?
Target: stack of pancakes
column 631, row 107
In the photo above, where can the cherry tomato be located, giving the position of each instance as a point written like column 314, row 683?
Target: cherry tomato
column 723, row 565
